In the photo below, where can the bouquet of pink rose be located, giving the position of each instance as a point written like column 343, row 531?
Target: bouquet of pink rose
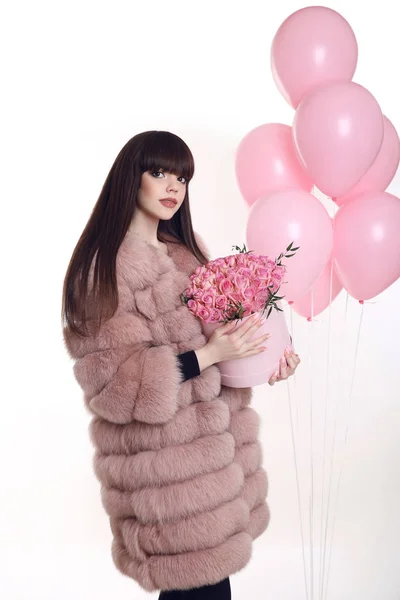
column 233, row 288
column 236, row 286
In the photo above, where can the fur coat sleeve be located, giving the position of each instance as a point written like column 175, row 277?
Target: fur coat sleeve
column 126, row 371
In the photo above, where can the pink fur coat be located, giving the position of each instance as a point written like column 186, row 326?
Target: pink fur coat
column 179, row 461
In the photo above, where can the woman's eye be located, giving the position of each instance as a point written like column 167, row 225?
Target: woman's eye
column 157, row 173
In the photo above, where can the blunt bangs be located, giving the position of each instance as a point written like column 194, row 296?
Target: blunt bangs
column 167, row 151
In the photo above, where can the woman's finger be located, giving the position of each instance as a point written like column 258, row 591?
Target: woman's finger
column 252, row 323
column 257, row 341
column 283, row 367
column 274, row 378
column 251, row 331
column 292, row 359
column 226, row 328
column 291, row 362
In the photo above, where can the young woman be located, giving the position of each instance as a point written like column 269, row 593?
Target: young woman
column 176, row 452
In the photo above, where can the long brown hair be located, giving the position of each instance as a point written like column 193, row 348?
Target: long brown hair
column 110, row 220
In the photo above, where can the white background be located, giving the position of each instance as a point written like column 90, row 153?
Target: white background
column 79, row 79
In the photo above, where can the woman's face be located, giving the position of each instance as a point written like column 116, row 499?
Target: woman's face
column 160, row 186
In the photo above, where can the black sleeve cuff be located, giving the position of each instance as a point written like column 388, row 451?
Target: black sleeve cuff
column 189, row 364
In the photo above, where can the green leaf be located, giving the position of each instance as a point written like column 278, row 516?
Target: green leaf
column 289, row 247
column 290, row 255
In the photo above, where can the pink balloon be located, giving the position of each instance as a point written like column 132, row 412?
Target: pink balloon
column 289, row 216
column 309, row 307
column 383, row 169
column 266, row 161
column 338, row 132
column 314, row 46
column 367, row 244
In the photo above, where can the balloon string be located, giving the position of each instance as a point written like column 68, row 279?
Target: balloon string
column 333, row 446
column 294, row 375
column 311, row 452
column 291, row 322
column 325, row 428
column 298, row 488
column 344, row 445
column 323, row 545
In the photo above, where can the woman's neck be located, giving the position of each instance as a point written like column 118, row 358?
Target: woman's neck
column 145, row 228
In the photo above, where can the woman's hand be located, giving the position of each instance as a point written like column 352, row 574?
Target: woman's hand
column 230, row 341
column 287, row 366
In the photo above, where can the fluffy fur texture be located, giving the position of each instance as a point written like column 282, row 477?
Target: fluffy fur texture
column 179, row 462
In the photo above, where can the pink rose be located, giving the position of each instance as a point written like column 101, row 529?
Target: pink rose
column 207, row 285
column 208, row 299
column 264, row 288
column 220, row 301
column 249, row 292
column 230, row 273
column 246, row 272
column 225, row 286
column 228, row 314
column 196, row 281
column 235, row 296
column 198, row 294
column 215, row 315
column 276, row 280
column 203, row 314
column 194, row 307
column 241, row 282
column 253, row 270
column 248, row 309
column 218, row 262
column 264, row 272
column 262, row 295
column 241, row 260
column 258, row 305
column 274, row 288
column 281, row 271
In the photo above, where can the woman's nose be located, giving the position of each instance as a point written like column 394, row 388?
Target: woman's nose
column 172, row 183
